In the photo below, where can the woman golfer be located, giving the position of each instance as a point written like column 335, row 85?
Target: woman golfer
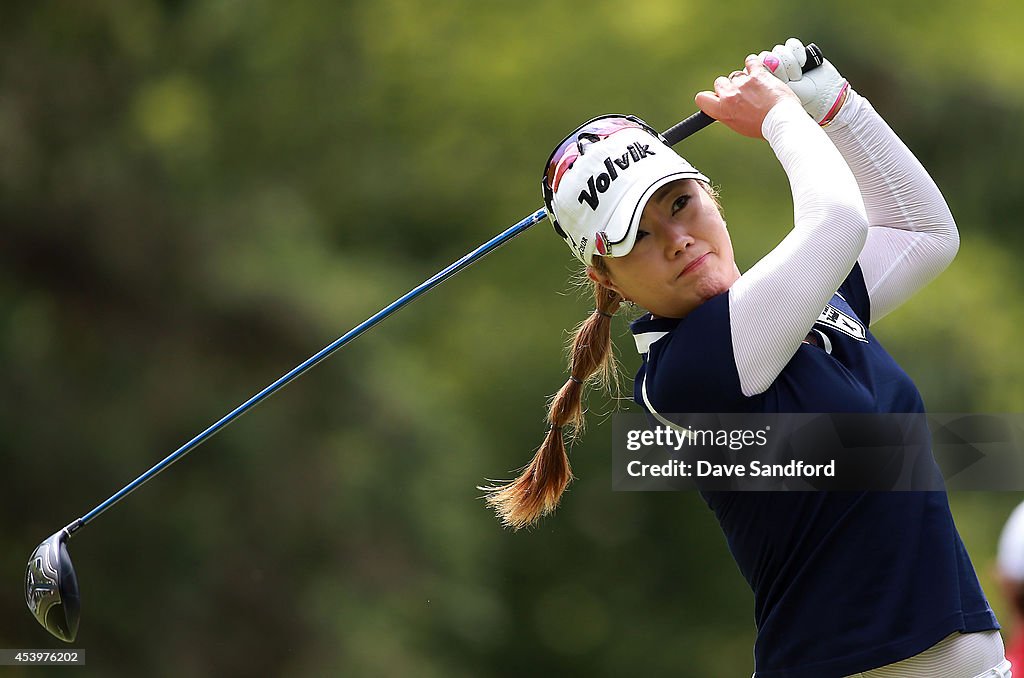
column 845, row 583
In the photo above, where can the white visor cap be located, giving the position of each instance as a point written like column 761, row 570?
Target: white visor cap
column 600, row 200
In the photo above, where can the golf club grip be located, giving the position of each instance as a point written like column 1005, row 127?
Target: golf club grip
column 700, row 119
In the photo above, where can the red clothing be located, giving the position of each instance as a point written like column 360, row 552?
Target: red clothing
column 1015, row 650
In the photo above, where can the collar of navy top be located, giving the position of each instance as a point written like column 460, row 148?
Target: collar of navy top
column 644, row 340
column 647, row 330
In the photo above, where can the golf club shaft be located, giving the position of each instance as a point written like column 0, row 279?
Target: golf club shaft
column 673, row 135
column 315, row 359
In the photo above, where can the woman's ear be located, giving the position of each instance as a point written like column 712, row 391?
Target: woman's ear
column 603, row 279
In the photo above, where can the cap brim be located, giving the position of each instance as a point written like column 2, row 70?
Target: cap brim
column 625, row 220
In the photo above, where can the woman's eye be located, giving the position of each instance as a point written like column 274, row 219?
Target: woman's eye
column 641, row 234
column 680, row 203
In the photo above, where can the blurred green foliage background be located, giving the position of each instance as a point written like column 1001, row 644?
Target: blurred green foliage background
column 195, row 196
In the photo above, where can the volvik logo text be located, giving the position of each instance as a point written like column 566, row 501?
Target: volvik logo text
column 597, row 185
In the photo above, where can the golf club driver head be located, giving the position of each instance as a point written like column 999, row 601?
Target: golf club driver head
column 51, row 587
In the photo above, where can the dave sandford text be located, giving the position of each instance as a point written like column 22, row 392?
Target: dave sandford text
column 666, row 437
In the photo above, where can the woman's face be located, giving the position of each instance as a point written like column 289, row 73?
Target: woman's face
column 682, row 256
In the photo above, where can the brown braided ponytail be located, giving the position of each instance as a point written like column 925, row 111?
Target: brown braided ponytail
column 540, row 485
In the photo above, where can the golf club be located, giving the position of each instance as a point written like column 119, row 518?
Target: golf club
column 51, row 586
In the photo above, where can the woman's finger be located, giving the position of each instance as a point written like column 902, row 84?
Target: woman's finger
column 709, row 103
column 723, row 84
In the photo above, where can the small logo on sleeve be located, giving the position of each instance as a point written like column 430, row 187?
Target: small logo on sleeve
column 843, row 322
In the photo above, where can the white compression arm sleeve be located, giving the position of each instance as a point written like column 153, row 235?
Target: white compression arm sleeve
column 912, row 235
column 774, row 304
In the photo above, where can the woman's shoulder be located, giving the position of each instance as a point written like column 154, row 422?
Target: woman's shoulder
column 689, row 363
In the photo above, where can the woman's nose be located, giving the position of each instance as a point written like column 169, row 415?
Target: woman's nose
column 677, row 240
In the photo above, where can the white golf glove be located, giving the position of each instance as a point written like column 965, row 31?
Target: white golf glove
column 821, row 90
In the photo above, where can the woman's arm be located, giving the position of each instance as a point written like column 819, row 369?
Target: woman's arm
column 912, row 236
column 774, row 304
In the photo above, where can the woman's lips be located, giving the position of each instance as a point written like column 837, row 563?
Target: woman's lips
column 694, row 264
